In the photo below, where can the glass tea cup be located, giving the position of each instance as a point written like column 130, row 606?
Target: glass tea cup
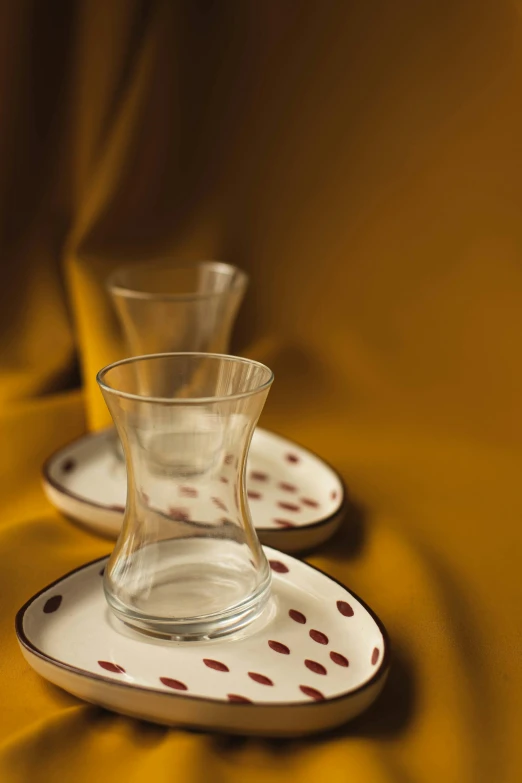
column 168, row 307
column 188, row 563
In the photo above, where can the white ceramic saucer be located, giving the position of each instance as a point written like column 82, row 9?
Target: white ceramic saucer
column 297, row 501
column 317, row 658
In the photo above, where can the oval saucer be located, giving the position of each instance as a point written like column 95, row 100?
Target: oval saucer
column 318, row 659
column 297, row 501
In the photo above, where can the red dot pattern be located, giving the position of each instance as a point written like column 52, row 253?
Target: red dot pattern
column 293, row 458
column 278, row 566
column 260, row 678
column 318, row 636
column 339, row 659
column 309, row 502
column 256, row 475
column 345, row 608
column 52, row 604
column 219, row 503
column 315, row 666
column 179, row 514
column 279, row 647
column 111, row 667
column 188, row 492
column 254, row 495
column 288, row 506
column 218, row 666
column 235, row 697
column 284, row 523
column 287, row 487
column 297, row 616
column 174, row 684
column 313, row 693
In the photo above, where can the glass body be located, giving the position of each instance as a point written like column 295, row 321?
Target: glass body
column 188, row 563
column 165, row 307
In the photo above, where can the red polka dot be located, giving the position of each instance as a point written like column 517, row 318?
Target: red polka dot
column 288, row 506
column 179, row 514
column 223, row 479
column 333, row 494
column 111, row 667
column 284, row 523
column 68, row 465
column 314, row 666
column 298, row 617
column 318, row 636
column 345, row 608
column 310, row 502
column 279, row 647
column 279, row 567
column 116, row 507
column 52, row 604
column 313, row 693
column 229, row 459
column 174, row 684
column 217, row 665
column 339, row 659
column 235, row 697
column 260, row 678
column 219, row 503
column 254, row 495
column 375, row 656
column 256, row 475
column 292, row 458
column 287, row 487
column 188, row 492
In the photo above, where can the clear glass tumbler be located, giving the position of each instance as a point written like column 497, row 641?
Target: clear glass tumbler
column 188, row 563
column 165, row 307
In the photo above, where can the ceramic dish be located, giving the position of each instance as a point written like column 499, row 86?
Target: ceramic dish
column 296, row 500
column 317, row 657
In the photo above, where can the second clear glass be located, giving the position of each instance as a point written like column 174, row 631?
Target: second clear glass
column 165, row 307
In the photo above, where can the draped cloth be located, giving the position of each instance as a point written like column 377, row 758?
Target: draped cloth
column 363, row 163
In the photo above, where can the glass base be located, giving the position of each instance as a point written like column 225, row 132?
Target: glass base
column 187, row 589
column 197, row 629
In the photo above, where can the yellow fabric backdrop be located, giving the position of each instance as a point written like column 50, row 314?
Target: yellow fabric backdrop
column 363, row 162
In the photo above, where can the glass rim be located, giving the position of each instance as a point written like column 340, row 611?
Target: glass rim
column 183, row 400
column 135, row 293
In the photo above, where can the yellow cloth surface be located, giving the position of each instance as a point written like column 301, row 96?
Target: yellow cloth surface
column 363, row 162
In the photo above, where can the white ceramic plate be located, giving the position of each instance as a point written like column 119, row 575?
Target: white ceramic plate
column 297, row 501
column 317, row 658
